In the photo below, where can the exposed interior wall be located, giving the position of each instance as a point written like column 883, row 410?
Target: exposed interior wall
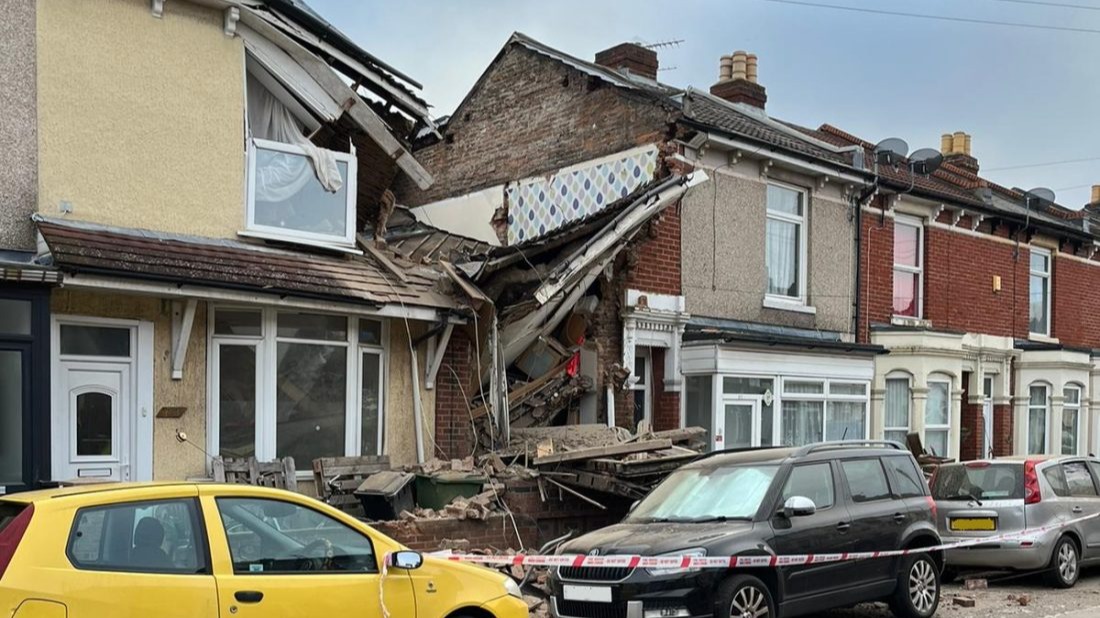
column 19, row 156
column 141, row 119
column 400, row 414
column 171, row 459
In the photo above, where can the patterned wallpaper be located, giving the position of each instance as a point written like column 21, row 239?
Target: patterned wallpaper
column 538, row 206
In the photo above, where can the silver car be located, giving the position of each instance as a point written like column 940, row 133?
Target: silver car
column 986, row 498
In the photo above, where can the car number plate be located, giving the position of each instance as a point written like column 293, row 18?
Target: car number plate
column 591, row 594
column 973, row 524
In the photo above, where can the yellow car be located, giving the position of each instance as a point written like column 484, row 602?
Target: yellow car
column 186, row 550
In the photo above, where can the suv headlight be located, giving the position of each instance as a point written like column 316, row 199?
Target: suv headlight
column 697, row 552
column 512, row 588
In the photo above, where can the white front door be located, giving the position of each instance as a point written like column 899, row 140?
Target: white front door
column 101, row 420
column 987, row 418
column 737, row 424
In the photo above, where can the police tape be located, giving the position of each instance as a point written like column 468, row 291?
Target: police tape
column 729, row 562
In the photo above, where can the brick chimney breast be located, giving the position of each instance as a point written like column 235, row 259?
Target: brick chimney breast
column 956, row 151
column 737, row 80
column 631, row 57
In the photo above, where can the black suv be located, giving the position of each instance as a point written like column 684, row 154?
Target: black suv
column 835, row 497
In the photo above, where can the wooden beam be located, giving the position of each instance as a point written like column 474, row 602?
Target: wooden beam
column 525, row 391
column 382, row 258
column 436, row 357
column 470, row 289
column 604, row 451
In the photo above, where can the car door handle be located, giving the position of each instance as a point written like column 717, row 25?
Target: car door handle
column 1078, row 509
column 899, row 518
column 249, row 596
column 843, row 526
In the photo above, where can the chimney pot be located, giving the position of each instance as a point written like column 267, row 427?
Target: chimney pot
column 750, row 68
column 956, row 150
column 631, row 57
column 945, row 144
column 740, row 64
column 958, row 143
column 725, row 69
column 1095, row 194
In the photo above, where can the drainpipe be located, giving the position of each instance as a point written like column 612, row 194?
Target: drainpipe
column 858, row 203
column 418, row 410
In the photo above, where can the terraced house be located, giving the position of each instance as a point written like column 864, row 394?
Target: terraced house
column 185, row 274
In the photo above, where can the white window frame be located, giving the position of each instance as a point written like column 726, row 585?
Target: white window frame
column 1076, row 408
column 918, row 270
column 779, row 300
column 826, row 396
column 942, row 427
column 886, row 429
column 1046, row 418
column 644, row 382
column 266, row 367
column 347, row 240
column 1047, row 275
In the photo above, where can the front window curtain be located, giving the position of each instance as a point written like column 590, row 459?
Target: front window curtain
column 1037, row 420
column 937, row 418
column 802, row 422
column 1071, row 420
column 1039, row 293
column 908, row 267
column 784, row 252
column 816, row 410
column 897, row 409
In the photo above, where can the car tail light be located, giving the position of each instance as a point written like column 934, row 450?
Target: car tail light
column 1031, row 483
column 10, row 536
column 932, row 505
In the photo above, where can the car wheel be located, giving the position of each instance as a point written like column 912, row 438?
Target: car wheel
column 918, row 589
column 744, row 596
column 1065, row 564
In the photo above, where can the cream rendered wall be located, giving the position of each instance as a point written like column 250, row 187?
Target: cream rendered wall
column 723, row 232
column 172, row 460
column 400, row 436
column 140, row 118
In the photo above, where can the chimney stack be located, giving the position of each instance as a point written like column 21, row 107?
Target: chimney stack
column 630, row 57
column 737, row 75
column 956, row 151
column 1095, row 201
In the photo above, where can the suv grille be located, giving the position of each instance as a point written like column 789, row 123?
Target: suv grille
column 584, row 609
column 596, row 574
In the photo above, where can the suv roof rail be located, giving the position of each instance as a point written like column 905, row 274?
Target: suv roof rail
column 844, row 444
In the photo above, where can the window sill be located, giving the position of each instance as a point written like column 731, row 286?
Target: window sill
column 785, row 304
column 1042, row 338
column 300, row 241
column 905, row 320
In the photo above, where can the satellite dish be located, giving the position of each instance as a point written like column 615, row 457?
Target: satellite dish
column 891, row 150
column 1040, row 196
column 925, row 161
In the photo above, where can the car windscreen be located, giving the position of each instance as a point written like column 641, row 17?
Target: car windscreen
column 707, row 494
column 981, row 481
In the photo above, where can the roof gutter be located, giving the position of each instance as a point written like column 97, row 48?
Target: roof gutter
column 788, row 160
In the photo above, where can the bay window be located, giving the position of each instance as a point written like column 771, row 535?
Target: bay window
column 303, row 385
column 785, row 244
column 1038, row 408
column 1071, row 420
column 1039, row 293
column 897, row 409
column 908, row 267
column 937, row 418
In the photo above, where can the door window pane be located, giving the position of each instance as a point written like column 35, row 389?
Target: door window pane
column 1078, row 479
column 11, row 417
column 372, row 403
column 738, row 425
column 802, row 422
column 272, row 536
column 814, row 482
column 15, row 316
column 237, row 400
column 313, row 326
column 846, row 421
column 147, row 537
column 910, row 483
column 310, row 393
column 94, row 430
column 240, row 322
column 699, row 397
column 370, row 332
column 866, row 480
column 783, row 258
column 94, row 340
column 1056, row 477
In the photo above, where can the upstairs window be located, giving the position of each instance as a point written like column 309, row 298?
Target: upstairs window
column 297, row 191
column 1039, row 324
column 908, row 267
column 785, row 245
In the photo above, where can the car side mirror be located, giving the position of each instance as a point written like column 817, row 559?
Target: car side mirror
column 407, row 560
column 798, row 506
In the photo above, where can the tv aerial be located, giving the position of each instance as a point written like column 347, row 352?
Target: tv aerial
column 891, row 151
column 925, row 161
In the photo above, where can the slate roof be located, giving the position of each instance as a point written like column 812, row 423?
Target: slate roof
column 82, row 247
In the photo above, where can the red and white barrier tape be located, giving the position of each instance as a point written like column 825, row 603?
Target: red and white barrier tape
column 729, row 562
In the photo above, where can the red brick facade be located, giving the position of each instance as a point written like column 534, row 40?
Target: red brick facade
column 876, row 285
column 454, row 387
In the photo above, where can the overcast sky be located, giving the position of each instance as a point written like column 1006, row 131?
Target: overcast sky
column 1027, row 96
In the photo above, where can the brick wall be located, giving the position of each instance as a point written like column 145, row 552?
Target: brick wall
column 666, row 404
column 876, row 289
column 1076, row 322
column 527, row 115
column 1003, row 426
column 453, row 433
column 657, row 265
